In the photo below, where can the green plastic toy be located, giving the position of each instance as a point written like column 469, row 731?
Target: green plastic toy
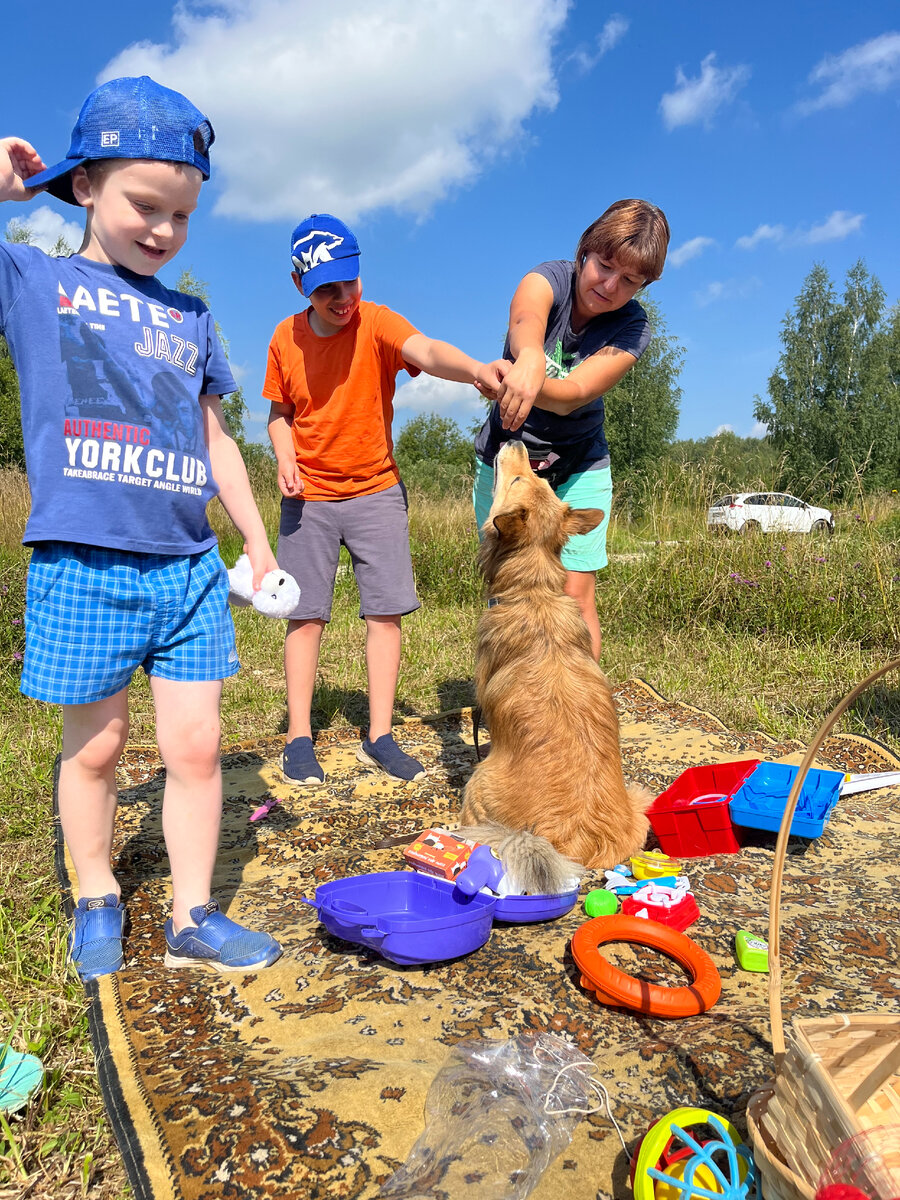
column 600, row 903
column 752, row 952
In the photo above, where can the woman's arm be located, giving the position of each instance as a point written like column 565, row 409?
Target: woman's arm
column 230, row 474
column 526, row 386
column 590, row 379
column 528, row 315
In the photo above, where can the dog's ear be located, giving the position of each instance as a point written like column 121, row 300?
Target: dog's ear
column 511, row 523
column 582, row 520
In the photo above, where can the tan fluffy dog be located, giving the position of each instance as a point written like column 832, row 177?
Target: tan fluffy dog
column 554, row 766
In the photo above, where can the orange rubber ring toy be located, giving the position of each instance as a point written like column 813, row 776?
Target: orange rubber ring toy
column 615, row 988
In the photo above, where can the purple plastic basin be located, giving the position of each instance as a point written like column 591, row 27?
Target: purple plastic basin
column 521, row 909
column 406, row 916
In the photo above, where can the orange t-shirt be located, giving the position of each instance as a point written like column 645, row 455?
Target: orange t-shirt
column 342, row 391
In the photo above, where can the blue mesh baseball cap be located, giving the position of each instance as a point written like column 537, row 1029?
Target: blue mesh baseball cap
column 323, row 250
column 131, row 118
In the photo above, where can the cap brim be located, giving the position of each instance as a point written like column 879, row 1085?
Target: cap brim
column 338, row 270
column 58, row 180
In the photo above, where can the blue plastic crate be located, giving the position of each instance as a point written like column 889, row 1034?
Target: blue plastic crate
column 761, row 799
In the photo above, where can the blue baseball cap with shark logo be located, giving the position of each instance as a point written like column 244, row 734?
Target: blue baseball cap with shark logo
column 323, row 250
column 131, row 118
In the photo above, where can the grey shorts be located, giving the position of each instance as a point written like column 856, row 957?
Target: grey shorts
column 375, row 530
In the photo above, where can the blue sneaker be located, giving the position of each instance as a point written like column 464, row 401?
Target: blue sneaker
column 95, row 943
column 218, row 941
column 385, row 754
column 299, row 763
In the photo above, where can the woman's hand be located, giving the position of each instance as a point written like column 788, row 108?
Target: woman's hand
column 521, row 387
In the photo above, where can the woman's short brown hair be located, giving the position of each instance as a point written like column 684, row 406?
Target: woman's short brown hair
column 633, row 231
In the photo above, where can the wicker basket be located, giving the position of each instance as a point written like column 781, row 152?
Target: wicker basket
column 834, row 1076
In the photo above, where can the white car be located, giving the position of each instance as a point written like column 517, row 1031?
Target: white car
column 767, row 512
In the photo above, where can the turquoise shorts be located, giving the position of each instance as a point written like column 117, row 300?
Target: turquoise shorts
column 586, row 489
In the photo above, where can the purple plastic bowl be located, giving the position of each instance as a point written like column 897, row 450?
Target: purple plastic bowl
column 406, row 916
column 521, row 909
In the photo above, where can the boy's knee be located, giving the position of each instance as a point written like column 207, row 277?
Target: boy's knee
column 193, row 748
column 99, row 753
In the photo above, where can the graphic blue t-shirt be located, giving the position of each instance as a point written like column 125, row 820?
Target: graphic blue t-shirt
column 546, row 433
column 111, row 366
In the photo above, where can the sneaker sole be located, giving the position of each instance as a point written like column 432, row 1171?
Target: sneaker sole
column 172, row 960
column 310, row 779
column 373, row 762
column 90, row 976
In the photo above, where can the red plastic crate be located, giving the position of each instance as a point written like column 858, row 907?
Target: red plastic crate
column 691, row 818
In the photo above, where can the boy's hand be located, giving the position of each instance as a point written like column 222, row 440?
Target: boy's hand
column 262, row 560
column 490, row 377
column 521, row 387
column 18, row 162
column 289, row 480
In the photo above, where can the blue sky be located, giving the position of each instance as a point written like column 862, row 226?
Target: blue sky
column 468, row 140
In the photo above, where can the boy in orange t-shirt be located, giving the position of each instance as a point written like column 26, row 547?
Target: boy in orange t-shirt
column 330, row 380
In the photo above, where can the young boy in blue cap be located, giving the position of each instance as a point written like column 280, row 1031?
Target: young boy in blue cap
column 125, row 444
column 330, row 382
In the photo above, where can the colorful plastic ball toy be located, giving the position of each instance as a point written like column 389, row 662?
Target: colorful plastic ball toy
column 673, row 1163
column 600, row 903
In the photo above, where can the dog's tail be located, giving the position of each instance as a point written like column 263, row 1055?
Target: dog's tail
column 533, row 866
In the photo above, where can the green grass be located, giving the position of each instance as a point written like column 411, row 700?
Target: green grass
column 767, row 633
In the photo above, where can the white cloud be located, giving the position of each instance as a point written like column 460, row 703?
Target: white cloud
column 688, row 250
column 835, row 228
column 757, row 430
column 425, row 394
column 358, row 106
column 762, row 233
column 47, row 227
column 608, row 37
column 695, row 100
column 612, row 33
column 872, row 66
column 726, row 289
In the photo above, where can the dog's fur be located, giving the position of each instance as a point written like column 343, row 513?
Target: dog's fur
column 554, row 765
column 533, row 867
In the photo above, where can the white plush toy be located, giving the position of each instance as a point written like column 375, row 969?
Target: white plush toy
column 277, row 597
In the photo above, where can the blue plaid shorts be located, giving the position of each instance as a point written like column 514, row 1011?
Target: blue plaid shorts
column 93, row 616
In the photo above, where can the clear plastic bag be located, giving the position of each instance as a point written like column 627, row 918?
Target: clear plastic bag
column 496, row 1114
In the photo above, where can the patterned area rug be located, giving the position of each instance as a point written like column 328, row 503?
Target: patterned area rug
column 309, row 1079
